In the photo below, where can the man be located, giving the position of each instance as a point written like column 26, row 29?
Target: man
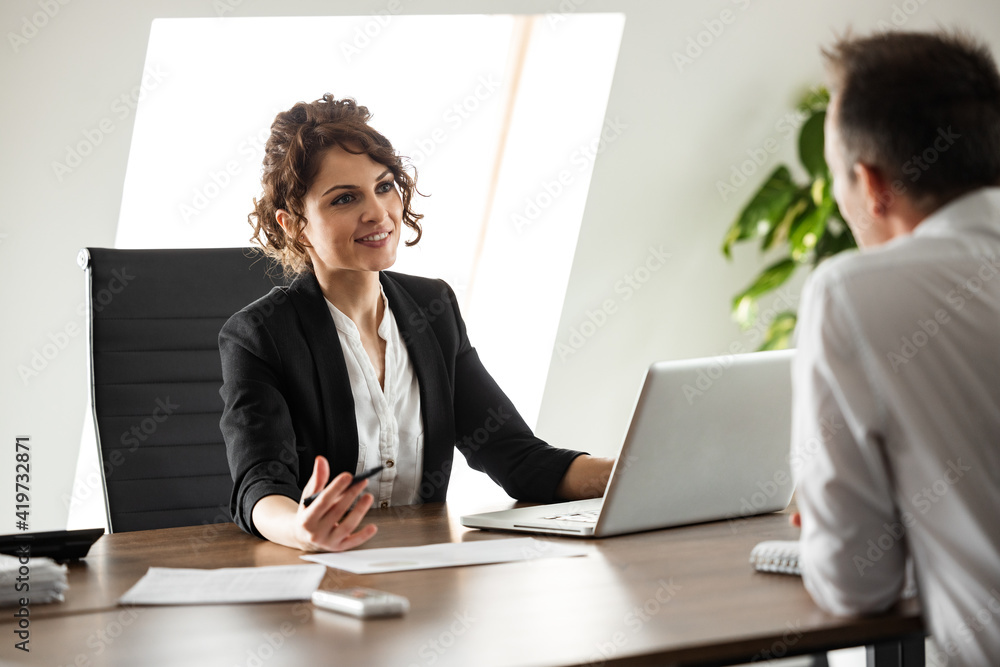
column 896, row 416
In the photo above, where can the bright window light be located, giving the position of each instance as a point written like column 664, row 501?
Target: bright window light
column 501, row 115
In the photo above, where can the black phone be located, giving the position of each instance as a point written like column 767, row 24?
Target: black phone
column 361, row 476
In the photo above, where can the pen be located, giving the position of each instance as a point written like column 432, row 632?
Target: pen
column 357, row 478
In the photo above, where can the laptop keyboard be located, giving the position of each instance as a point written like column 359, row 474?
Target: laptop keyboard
column 590, row 516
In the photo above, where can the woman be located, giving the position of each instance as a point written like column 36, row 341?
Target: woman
column 352, row 366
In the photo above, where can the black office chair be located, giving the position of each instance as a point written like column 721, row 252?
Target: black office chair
column 154, row 321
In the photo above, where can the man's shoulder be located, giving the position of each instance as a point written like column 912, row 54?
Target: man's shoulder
column 853, row 268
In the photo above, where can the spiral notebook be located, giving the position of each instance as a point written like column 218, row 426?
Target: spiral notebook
column 776, row 556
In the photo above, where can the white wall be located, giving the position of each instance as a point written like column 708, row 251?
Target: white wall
column 654, row 185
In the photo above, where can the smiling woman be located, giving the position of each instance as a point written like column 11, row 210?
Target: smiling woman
column 359, row 367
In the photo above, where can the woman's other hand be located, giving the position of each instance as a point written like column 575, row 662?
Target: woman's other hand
column 328, row 524
column 586, row 477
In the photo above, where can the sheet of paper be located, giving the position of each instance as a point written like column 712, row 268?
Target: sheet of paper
column 449, row 554
column 167, row 585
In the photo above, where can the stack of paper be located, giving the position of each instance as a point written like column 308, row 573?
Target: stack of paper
column 38, row 580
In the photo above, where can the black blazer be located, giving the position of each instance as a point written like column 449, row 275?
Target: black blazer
column 288, row 397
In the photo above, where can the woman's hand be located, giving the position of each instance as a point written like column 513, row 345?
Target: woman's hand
column 328, row 524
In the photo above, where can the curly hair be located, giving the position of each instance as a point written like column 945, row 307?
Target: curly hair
column 299, row 137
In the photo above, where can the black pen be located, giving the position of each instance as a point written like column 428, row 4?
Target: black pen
column 357, row 478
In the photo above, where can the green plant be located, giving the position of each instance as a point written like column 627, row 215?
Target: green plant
column 800, row 219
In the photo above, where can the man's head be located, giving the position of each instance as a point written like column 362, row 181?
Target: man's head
column 913, row 123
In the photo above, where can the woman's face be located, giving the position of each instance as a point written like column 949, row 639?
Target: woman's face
column 353, row 214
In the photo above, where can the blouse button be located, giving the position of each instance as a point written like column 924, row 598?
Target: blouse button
column 390, row 463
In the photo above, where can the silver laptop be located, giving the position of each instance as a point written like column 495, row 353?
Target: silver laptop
column 708, row 439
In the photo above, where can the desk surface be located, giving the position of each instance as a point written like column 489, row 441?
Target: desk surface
column 683, row 595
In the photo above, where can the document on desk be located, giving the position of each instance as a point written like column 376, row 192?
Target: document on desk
column 228, row 585
column 449, row 554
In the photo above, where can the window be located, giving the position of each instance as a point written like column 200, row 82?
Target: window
column 501, row 115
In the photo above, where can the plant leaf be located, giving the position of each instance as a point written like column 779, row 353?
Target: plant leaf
column 764, row 211
column 814, row 99
column 779, row 333
column 744, row 303
column 779, row 232
column 836, row 239
column 811, row 145
column 810, row 231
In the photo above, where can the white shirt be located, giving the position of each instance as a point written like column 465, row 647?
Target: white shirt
column 390, row 427
column 896, row 426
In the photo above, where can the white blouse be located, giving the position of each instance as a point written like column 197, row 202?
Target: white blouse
column 390, row 427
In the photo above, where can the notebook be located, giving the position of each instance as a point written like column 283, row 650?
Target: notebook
column 776, row 556
column 708, row 440
column 784, row 557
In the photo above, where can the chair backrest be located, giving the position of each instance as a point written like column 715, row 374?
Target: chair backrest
column 155, row 373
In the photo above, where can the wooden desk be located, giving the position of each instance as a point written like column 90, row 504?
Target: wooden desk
column 679, row 596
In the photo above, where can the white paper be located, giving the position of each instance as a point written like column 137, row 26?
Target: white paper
column 46, row 579
column 449, row 554
column 168, row 585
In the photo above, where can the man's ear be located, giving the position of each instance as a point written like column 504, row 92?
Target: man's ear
column 876, row 189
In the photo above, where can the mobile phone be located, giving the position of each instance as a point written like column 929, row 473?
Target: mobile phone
column 361, row 476
column 362, row 602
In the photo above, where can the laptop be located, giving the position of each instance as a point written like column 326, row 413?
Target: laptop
column 709, row 439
